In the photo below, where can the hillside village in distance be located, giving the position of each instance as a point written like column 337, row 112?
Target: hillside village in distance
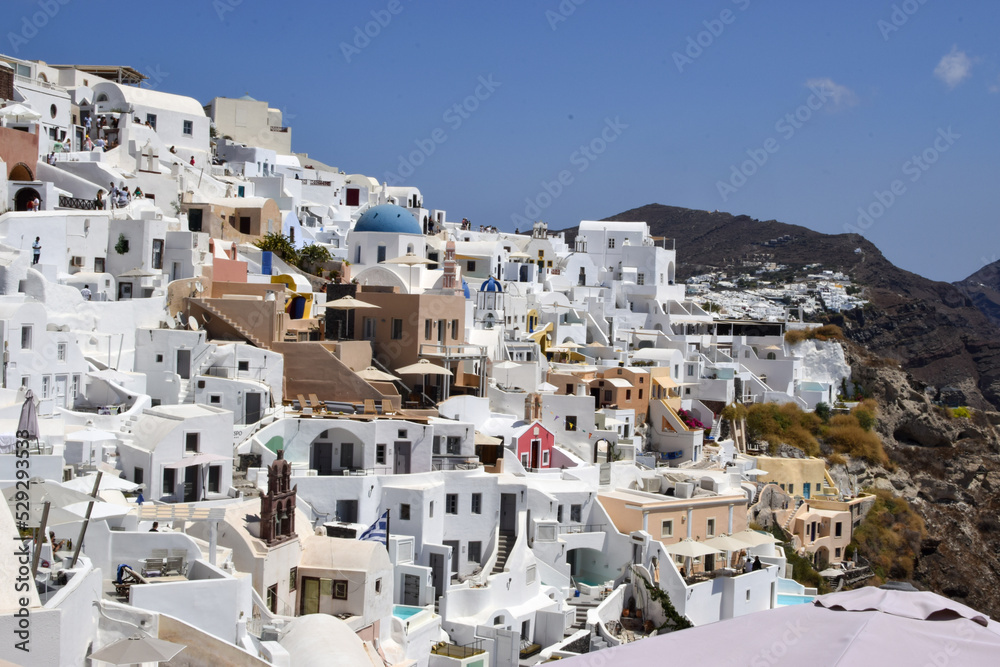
column 278, row 413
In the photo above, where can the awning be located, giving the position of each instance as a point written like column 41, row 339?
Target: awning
column 197, row 460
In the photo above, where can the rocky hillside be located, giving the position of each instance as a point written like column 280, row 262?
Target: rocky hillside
column 983, row 288
column 948, row 468
column 933, row 328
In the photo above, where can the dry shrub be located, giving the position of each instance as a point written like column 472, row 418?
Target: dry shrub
column 836, row 459
column 823, row 333
column 859, row 443
column 890, row 536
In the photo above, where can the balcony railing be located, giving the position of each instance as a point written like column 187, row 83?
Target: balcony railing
column 308, row 181
column 76, row 202
column 582, row 528
column 278, row 129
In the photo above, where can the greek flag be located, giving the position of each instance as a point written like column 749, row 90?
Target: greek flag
column 377, row 531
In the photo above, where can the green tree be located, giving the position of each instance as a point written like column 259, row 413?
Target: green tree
column 313, row 256
column 280, row 245
column 823, row 411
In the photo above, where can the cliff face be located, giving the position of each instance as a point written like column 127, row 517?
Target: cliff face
column 933, row 328
column 949, row 470
column 983, row 289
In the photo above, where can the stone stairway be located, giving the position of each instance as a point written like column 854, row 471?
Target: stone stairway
column 232, row 324
column 503, row 551
column 791, row 517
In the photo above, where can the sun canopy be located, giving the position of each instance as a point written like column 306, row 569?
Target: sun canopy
column 423, row 367
column 373, row 374
column 726, row 543
column 349, row 303
column 691, row 549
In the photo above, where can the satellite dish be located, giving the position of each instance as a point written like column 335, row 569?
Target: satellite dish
column 192, row 323
column 171, row 323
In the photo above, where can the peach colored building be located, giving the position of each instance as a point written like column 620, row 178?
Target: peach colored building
column 824, row 528
column 239, row 219
column 670, row 520
column 625, row 388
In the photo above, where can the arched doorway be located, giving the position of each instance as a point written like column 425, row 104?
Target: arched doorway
column 23, row 196
column 21, row 172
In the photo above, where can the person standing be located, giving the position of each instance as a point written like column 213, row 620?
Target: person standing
column 38, row 204
column 36, row 250
column 86, row 293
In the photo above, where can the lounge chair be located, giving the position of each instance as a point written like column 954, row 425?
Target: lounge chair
column 153, row 565
column 304, row 407
column 174, row 564
column 387, row 407
column 126, row 578
column 317, row 405
column 370, row 407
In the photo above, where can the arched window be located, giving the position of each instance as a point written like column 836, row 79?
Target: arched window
column 102, row 98
column 771, row 356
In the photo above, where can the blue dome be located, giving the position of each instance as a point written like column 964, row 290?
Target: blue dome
column 491, row 285
column 388, row 218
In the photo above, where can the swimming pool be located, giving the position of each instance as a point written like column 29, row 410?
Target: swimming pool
column 404, row 612
column 590, row 580
column 787, row 599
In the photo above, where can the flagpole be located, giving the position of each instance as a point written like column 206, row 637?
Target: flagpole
column 387, row 528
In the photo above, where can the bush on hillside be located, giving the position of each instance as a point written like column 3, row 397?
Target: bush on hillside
column 890, row 536
column 823, row 333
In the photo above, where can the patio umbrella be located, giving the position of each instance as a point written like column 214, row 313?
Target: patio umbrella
column 519, row 255
column 373, row 374
column 424, row 368
column 753, row 538
column 867, row 626
column 754, row 471
column 29, row 416
column 483, row 439
column 691, row 549
column 726, row 543
column 41, row 491
column 409, row 259
column 349, row 303
column 137, row 648
column 19, row 113
column 546, row 387
column 86, row 483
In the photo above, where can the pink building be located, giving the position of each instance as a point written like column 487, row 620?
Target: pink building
column 533, row 444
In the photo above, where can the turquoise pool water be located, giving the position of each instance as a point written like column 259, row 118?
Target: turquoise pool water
column 403, row 612
column 589, row 580
column 787, row 600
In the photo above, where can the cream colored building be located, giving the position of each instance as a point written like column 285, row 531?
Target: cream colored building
column 251, row 122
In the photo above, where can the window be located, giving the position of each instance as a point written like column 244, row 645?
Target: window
column 380, row 454
column 640, row 279
column 628, row 394
column 26, row 337
column 454, row 329
column 611, row 243
column 836, row 552
column 430, row 509
column 559, row 514
column 437, row 444
column 159, row 358
column 607, row 395
column 397, row 329
column 791, row 489
column 75, row 388
column 272, row 598
column 427, row 329
column 454, row 445
column 369, row 328
column 475, row 551
column 545, row 457
column 169, row 481
column 575, row 512
column 45, row 386
column 477, row 504
column 569, row 389
column 215, row 399
column 380, row 254
column 339, row 589
column 451, row 503
column 138, row 475
column 667, row 528
column 378, row 585
column 640, row 394
column 244, row 224
column 524, row 459
column 690, row 370
column 61, row 352
column 188, row 128
column 98, row 265
column 404, row 511
column 191, row 442
column 151, row 119
column 243, row 366
column 157, row 253
column 710, row 528
column 570, row 422
column 838, row 530
column 293, row 575
column 470, row 266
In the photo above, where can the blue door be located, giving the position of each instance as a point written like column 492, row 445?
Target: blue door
column 805, row 490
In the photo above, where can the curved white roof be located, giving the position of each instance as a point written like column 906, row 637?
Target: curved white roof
column 151, row 98
column 319, row 640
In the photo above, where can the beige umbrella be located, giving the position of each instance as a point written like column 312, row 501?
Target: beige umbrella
column 425, row 368
column 409, row 259
column 691, row 549
column 349, row 303
column 570, row 345
column 139, row 647
column 519, row 255
column 753, row 538
column 483, row 439
column 375, row 375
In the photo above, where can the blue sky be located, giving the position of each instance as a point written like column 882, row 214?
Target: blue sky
column 676, row 119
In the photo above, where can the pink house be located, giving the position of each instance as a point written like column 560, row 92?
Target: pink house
column 533, row 444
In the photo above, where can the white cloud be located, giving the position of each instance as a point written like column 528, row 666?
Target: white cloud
column 995, row 86
column 838, row 95
column 954, row 68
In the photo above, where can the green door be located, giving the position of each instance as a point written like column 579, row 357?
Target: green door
column 310, row 595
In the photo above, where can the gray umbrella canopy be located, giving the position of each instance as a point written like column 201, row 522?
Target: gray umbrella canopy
column 137, row 648
column 29, row 416
column 39, row 492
